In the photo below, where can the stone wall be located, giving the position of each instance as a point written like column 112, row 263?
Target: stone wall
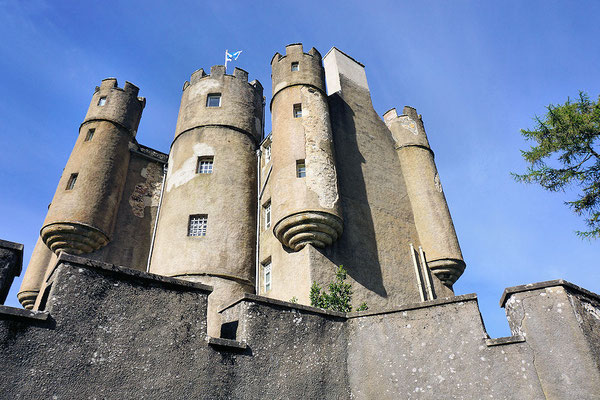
column 11, row 262
column 110, row 332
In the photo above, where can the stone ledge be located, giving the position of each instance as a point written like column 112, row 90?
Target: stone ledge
column 7, row 312
column 505, row 340
column 265, row 300
column 414, row 306
column 541, row 285
column 18, row 247
column 130, row 273
column 226, row 343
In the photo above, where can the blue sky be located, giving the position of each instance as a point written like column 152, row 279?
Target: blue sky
column 477, row 71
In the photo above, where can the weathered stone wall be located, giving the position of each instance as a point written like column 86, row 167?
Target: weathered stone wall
column 11, row 262
column 109, row 332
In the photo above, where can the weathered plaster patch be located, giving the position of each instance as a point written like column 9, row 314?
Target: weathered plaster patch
column 187, row 171
column 146, row 194
column 407, row 123
column 321, row 176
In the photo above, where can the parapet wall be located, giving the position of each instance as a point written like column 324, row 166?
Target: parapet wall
column 144, row 335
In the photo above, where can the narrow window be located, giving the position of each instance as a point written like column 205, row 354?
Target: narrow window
column 267, row 275
column 268, row 154
column 213, row 100
column 71, row 182
column 300, row 169
column 102, row 101
column 197, row 225
column 297, row 110
column 267, row 214
column 295, row 66
column 205, row 165
column 89, row 135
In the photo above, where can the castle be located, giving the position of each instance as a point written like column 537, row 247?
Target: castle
column 171, row 275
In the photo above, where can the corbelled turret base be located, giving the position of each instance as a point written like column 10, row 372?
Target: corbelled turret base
column 73, row 238
column 311, row 227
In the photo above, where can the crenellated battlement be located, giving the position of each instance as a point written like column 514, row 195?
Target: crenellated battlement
column 296, row 49
column 218, row 72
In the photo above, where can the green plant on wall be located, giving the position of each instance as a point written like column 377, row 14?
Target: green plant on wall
column 339, row 297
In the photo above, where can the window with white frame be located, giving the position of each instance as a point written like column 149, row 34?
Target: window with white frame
column 267, row 214
column 297, row 110
column 89, row 135
column 71, row 182
column 267, row 275
column 102, row 101
column 300, row 169
column 295, row 66
column 197, row 225
column 213, row 100
column 205, row 165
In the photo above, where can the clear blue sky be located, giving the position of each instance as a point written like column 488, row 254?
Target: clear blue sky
column 477, row 71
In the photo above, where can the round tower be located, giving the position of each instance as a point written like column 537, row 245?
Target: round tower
column 306, row 204
column 83, row 212
column 430, row 209
column 207, row 225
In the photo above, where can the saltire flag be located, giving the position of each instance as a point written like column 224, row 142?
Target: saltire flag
column 231, row 56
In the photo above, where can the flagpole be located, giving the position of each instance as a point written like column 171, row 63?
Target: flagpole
column 226, row 60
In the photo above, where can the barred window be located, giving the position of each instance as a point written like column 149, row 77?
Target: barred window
column 268, row 154
column 102, row 101
column 300, row 169
column 71, row 182
column 197, row 225
column 297, row 110
column 205, row 165
column 89, row 135
column 267, row 275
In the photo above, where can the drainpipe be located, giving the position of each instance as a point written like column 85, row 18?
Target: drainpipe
column 162, row 191
column 257, row 263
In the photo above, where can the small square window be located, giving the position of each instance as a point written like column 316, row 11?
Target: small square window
column 297, row 110
column 213, row 100
column 205, row 165
column 71, row 182
column 267, row 214
column 300, row 169
column 197, row 225
column 267, row 275
column 268, row 154
column 102, row 101
column 295, row 66
column 89, row 135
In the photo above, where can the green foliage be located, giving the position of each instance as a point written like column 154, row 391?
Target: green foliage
column 566, row 153
column 339, row 297
column 294, row 300
column 363, row 307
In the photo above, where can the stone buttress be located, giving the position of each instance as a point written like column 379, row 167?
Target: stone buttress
column 207, row 225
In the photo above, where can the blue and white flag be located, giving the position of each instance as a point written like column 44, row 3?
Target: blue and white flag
column 231, row 57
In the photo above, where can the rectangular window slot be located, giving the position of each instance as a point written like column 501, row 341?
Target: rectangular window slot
column 71, row 182
column 297, row 110
column 102, row 101
column 267, row 214
column 213, row 100
column 267, row 275
column 267, row 154
column 89, row 135
column 295, row 66
column 197, row 225
column 300, row 169
column 205, row 165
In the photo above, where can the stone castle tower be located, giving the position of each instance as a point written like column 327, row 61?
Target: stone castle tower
column 170, row 275
column 333, row 184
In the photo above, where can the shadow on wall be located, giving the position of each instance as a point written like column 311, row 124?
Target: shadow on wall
column 356, row 249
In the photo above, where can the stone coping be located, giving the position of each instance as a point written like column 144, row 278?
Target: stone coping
column 226, row 343
column 505, row 340
column 541, row 285
column 356, row 314
column 353, row 59
column 7, row 312
column 415, row 306
column 130, row 273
